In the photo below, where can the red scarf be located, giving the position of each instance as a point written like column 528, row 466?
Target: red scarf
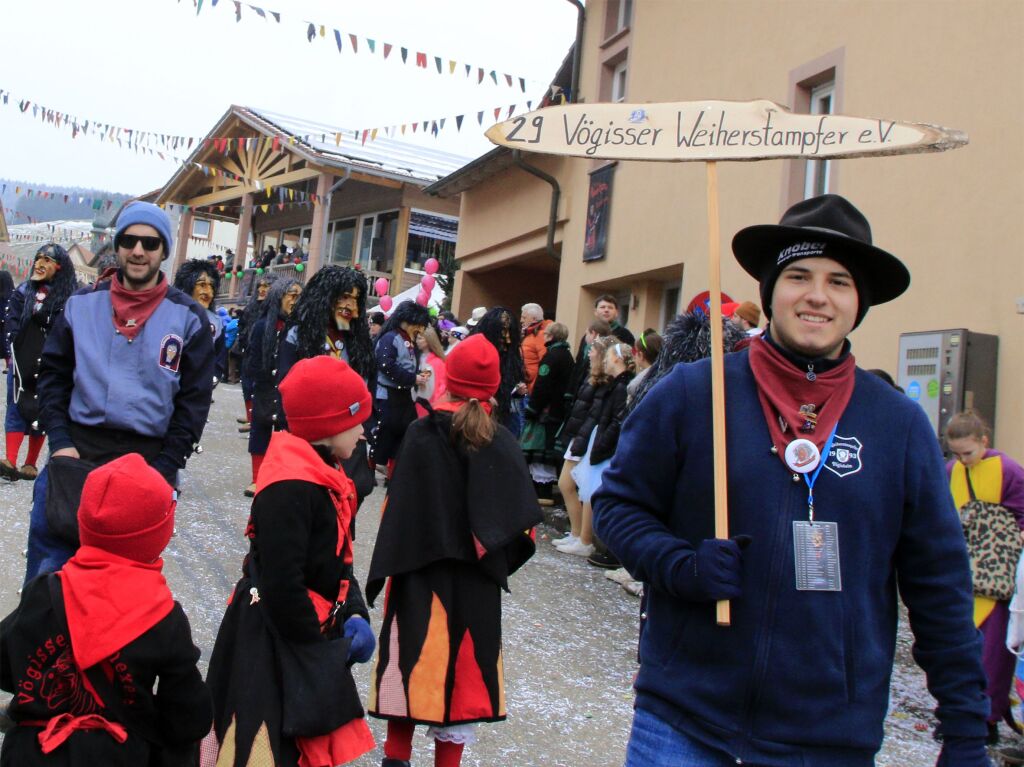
column 110, row 601
column 133, row 307
column 783, row 390
column 454, row 406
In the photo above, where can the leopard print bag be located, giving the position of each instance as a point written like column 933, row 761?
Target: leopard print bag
column 994, row 546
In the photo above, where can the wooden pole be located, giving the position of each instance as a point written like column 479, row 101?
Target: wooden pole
column 717, row 373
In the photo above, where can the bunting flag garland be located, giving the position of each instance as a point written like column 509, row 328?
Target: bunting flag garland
column 314, row 29
column 164, row 145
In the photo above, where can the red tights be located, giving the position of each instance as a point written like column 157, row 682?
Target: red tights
column 35, row 446
column 257, row 461
column 399, row 745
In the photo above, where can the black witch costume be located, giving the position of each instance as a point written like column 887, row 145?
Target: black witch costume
column 312, row 331
column 456, row 525
column 185, row 281
column 33, row 308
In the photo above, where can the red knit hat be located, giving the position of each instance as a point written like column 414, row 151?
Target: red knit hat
column 473, row 369
column 322, row 396
column 127, row 508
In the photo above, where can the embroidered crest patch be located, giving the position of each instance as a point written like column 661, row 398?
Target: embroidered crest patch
column 170, row 352
column 844, row 457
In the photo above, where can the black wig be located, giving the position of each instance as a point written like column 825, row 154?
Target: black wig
column 510, row 355
column 314, row 311
column 60, row 287
column 189, row 272
column 687, row 338
column 409, row 312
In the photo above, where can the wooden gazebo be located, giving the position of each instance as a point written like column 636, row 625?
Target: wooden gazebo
column 330, row 195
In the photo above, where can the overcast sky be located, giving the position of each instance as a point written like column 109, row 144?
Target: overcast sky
column 155, row 65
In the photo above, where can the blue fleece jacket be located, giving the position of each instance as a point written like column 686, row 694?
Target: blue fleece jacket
column 92, row 376
column 797, row 672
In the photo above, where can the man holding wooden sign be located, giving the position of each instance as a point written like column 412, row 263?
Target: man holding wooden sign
column 837, row 495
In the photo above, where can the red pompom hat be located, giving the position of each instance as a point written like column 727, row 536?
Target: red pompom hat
column 127, row 508
column 473, row 369
column 322, row 396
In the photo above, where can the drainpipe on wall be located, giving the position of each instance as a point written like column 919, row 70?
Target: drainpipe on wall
column 556, row 193
column 577, row 50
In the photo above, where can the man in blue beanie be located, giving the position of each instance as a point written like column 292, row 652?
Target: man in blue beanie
column 840, row 507
column 128, row 368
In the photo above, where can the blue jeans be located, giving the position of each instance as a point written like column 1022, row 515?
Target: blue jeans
column 46, row 553
column 653, row 742
column 12, row 419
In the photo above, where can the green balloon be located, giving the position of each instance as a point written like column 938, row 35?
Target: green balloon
column 239, row 274
column 260, row 270
column 229, row 275
column 299, row 267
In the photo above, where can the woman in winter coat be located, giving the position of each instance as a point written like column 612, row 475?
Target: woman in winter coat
column 298, row 597
column 99, row 656
column 432, row 362
column 398, row 375
column 458, row 510
column 260, row 366
column 979, row 473
column 620, row 367
column 31, row 312
column 545, row 410
column 575, row 434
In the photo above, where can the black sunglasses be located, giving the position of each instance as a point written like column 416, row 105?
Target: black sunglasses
column 129, row 241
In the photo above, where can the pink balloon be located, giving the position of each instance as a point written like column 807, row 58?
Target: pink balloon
column 423, row 298
column 428, row 282
column 385, row 303
column 381, row 286
column 430, row 265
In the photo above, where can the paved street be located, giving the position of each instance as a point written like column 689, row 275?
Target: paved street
column 570, row 633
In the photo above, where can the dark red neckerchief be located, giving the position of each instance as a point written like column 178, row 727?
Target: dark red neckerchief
column 783, row 389
column 110, row 601
column 133, row 307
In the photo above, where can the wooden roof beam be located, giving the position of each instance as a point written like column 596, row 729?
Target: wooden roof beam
column 236, row 192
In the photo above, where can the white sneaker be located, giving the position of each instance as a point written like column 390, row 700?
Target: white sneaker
column 579, row 548
column 620, row 576
column 568, row 539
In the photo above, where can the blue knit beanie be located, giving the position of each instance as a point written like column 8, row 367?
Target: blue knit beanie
column 149, row 214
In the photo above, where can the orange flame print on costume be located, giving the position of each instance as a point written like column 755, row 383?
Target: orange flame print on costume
column 427, row 680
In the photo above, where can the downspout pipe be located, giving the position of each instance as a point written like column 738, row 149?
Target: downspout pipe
column 556, row 193
column 577, row 50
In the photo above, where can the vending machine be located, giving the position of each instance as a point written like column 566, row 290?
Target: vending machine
column 946, row 371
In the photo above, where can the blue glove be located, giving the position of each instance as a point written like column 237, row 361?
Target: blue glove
column 963, row 752
column 714, row 570
column 363, row 641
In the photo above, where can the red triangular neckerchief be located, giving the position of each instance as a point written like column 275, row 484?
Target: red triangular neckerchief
column 786, row 394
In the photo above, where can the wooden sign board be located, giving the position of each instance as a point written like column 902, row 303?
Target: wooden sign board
column 713, row 130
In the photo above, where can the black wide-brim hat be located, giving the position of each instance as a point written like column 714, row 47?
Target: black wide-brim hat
column 828, row 226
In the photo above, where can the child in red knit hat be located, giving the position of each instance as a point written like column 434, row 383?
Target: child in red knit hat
column 86, row 646
column 298, row 596
column 459, row 510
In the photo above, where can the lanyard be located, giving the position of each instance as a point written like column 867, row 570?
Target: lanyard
column 810, row 479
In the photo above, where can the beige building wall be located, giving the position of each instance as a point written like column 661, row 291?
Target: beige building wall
column 956, row 218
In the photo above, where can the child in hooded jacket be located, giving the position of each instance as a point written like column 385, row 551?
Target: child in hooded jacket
column 99, row 656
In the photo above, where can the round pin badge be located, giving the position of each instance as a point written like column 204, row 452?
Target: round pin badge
column 802, row 456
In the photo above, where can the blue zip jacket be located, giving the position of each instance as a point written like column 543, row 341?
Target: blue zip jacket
column 94, row 377
column 797, row 672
